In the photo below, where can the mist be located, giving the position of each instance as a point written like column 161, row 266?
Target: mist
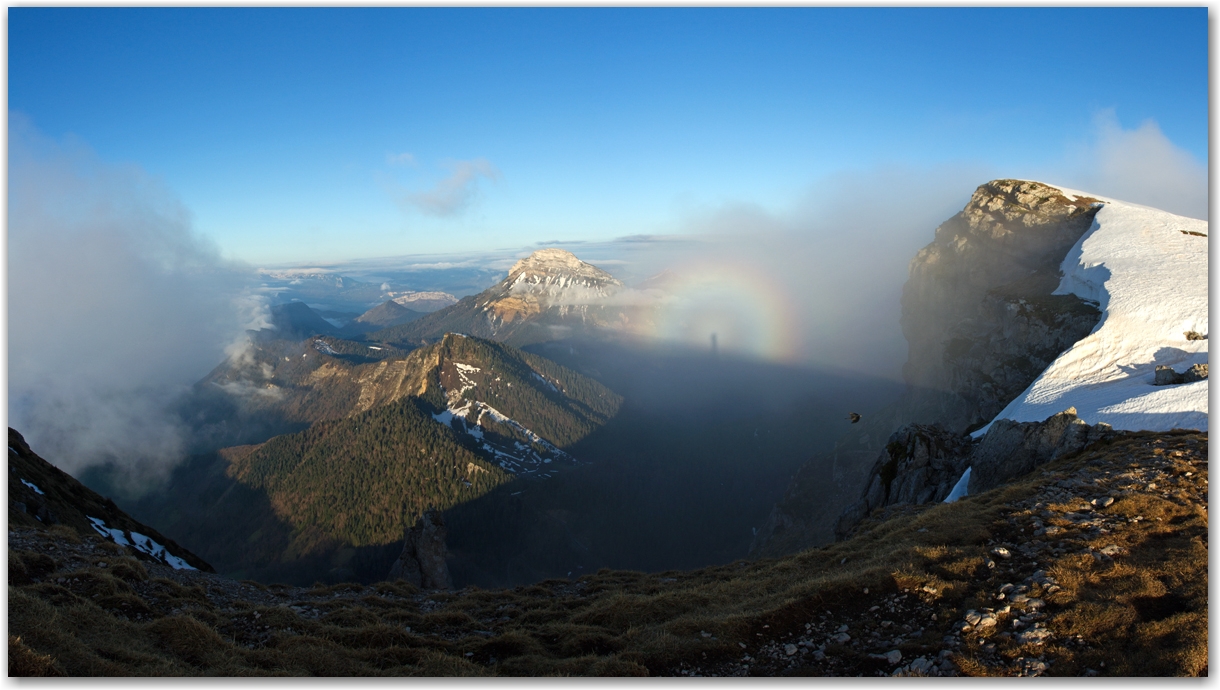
column 1138, row 165
column 818, row 284
column 115, row 306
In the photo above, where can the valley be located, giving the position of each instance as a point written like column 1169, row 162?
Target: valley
column 606, row 504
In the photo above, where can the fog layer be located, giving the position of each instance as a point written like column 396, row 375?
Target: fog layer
column 115, row 305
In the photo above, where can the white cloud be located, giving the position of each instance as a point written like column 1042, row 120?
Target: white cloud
column 1139, row 165
column 400, row 159
column 453, row 194
column 115, row 305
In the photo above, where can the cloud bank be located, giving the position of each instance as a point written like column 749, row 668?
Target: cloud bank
column 115, row 306
column 819, row 283
column 1139, row 165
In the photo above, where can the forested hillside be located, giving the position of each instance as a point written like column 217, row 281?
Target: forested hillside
column 361, row 480
column 388, row 439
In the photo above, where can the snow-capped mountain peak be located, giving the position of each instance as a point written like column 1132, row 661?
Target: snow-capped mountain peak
column 550, row 272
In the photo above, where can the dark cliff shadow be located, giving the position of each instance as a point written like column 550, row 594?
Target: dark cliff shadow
column 681, row 478
column 209, row 513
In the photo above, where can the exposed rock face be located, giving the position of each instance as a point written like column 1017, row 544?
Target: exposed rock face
column 1009, row 231
column 981, row 323
column 423, row 559
column 1019, row 329
column 978, row 312
column 1010, row 449
column 922, row 463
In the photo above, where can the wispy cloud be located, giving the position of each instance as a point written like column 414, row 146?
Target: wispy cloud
column 400, row 159
column 1139, row 165
column 453, row 194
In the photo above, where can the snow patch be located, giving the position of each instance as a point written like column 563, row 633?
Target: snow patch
column 149, row 546
column 524, row 459
column 324, row 347
column 1148, row 275
column 116, row 535
column 959, row 489
column 141, row 543
column 31, row 485
column 464, row 371
column 546, row 382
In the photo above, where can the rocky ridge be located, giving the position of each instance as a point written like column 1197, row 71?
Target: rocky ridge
column 981, row 324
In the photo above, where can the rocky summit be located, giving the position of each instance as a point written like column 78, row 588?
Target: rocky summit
column 548, row 295
column 982, row 321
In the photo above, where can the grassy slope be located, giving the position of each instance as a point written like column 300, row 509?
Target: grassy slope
column 1124, row 586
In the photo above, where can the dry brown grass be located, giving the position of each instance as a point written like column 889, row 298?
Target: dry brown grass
column 1142, row 613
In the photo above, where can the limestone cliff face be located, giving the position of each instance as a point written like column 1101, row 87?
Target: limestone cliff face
column 981, row 324
column 977, row 310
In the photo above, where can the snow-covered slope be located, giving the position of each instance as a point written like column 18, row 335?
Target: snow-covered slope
column 1147, row 270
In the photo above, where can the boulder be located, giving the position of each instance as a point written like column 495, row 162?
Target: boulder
column 1197, row 372
column 423, row 559
column 1166, row 376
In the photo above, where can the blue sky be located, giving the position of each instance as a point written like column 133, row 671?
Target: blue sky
column 309, row 135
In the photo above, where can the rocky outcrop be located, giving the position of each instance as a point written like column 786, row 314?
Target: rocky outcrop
column 981, row 323
column 1010, row 231
column 921, row 464
column 1010, row 449
column 1166, row 376
column 423, row 560
column 977, row 310
column 1018, row 330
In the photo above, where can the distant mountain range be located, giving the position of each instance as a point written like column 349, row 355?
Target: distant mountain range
column 342, row 296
